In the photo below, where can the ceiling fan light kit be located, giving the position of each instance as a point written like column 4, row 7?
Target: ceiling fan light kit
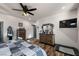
column 26, row 10
column 25, row 14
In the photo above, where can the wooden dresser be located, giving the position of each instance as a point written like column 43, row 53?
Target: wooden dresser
column 21, row 32
column 47, row 39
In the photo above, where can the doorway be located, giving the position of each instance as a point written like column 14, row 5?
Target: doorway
column 1, row 32
column 34, row 31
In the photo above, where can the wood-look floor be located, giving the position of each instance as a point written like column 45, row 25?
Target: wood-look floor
column 49, row 49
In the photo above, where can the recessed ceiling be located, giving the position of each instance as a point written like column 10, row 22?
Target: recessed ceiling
column 43, row 9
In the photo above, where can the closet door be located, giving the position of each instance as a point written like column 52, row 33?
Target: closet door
column 1, row 32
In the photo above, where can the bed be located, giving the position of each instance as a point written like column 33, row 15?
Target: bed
column 67, row 50
column 20, row 48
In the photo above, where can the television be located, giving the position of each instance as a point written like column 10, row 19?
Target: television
column 70, row 23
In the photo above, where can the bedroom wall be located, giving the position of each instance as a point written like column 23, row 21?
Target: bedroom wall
column 13, row 21
column 65, row 36
column 78, row 25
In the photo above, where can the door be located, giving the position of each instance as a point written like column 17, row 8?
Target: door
column 1, row 32
column 34, row 31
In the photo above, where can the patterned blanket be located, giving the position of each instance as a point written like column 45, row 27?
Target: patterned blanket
column 20, row 48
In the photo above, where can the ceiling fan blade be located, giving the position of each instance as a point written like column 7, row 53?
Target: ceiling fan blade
column 21, row 5
column 32, row 9
column 30, row 13
column 17, row 9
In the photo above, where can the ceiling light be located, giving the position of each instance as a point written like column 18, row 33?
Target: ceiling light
column 25, row 14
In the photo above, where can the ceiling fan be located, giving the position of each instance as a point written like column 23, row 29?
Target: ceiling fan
column 25, row 9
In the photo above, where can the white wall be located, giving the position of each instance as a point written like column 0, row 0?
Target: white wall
column 78, row 25
column 13, row 21
column 65, row 36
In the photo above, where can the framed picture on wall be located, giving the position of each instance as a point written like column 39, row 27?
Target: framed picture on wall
column 70, row 23
column 20, row 24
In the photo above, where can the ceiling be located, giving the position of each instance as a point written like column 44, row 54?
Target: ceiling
column 43, row 9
